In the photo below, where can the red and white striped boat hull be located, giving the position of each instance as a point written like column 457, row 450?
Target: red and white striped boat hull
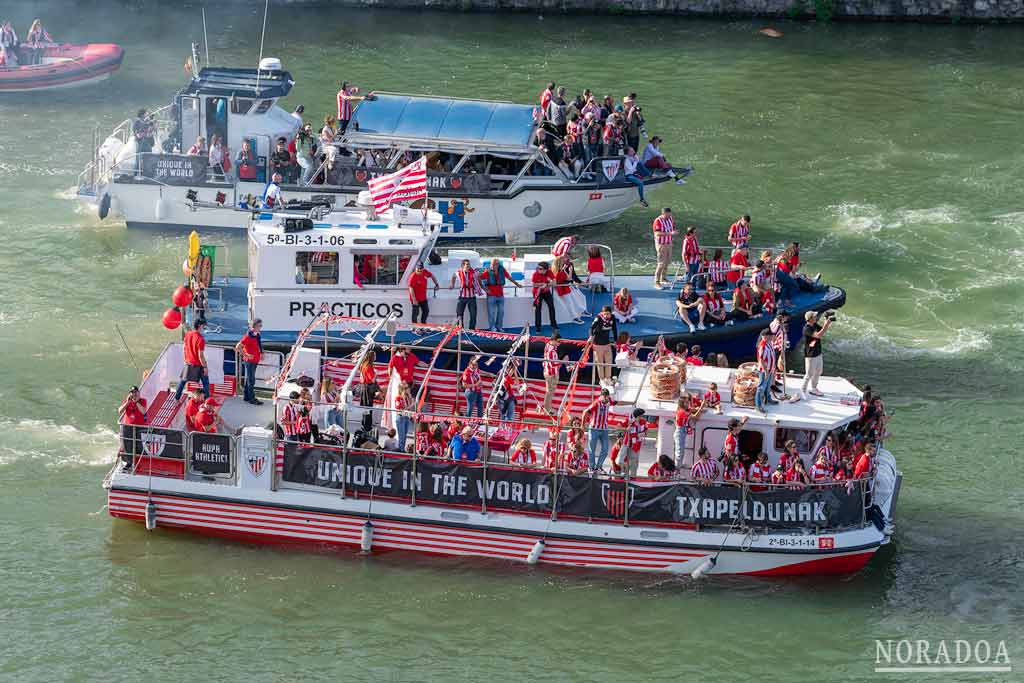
column 589, row 545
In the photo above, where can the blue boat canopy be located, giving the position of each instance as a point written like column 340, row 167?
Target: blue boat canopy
column 224, row 82
column 440, row 122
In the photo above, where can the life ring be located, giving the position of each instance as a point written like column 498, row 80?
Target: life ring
column 104, row 205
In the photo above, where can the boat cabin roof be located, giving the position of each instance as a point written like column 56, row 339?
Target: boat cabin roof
column 439, row 122
column 838, row 406
column 400, row 228
column 254, row 83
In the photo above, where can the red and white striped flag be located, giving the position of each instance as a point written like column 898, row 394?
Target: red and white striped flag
column 405, row 184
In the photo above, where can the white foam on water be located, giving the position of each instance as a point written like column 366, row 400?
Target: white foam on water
column 58, row 445
column 861, row 337
column 859, row 218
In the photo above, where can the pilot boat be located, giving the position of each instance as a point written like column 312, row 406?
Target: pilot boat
column 252, row 478
column 300, row 266
column 488, row 178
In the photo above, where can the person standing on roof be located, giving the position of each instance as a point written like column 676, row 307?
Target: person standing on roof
column 766, row 360
column 196, row 370
column 468, row 283
column 250, row 349
column 664, row 228
column 348, row 95
column 494, row 280
column 418, row 292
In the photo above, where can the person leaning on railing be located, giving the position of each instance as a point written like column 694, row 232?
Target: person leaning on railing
column 132, row 412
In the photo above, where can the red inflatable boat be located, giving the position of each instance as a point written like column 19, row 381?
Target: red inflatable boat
column 61, row 66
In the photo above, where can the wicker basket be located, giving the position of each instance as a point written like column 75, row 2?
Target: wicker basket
column 665, row 379
column 744, row 389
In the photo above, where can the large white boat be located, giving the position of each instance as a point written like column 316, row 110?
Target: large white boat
column 487, row 179
column 248, row 481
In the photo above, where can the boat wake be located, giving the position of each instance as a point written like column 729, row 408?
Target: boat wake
column 868, row 218
column 861, row 337
column 57, row 445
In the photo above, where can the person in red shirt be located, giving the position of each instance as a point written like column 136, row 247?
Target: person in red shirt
column 865, row 462
column 712, row 399
column 542, row 280
column 250, row 349
column 694, row 357
column 418, row 292
column 369, row 388
column 738, row 264
column 132, row 412
column 760, row 472
column 613, row 454
column 195, row 402
column 714, row 306
column 194, row 349
column 686, row 417
column 404, row 363
column 662, row 468
column 207, row 420
column 743, row 305
column 494, row 280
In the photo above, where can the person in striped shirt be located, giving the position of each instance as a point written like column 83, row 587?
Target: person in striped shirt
column 714, row 312
column 664, row 228
column 348, row 95
column 821, row 470
column 739, row 232
column 523, row 454
column 717, row 270
column 473, row 386
column 596, row 416
column 290, row 417
column 552, row 450
column 734, row 471
column 778, row 475
column 760, row 471
column 551, row 366
column 576, row 461
column 636, row 430
column 705, row 470
column 467, row 282
column 766, row 359
column 691, row 255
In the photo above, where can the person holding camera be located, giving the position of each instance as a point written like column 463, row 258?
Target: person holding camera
column 813, row 333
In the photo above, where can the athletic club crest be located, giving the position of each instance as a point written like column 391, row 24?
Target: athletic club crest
column 610, row 168
column 361, row 176
column 256, row 463
column 615, row 499
column 153, row 444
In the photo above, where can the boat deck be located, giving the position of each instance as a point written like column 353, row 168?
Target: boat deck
column 229, row 316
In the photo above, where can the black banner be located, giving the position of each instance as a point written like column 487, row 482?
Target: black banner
column 450, row 482
column 175, row 169
column 158, row 443
column 211, row 453
column 470, row 183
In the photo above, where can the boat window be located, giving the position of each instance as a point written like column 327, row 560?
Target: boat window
column 804, row 438
column 240, row 105
column 364, row 240
column 316, row 267
column 751, row 441
column 380, row 269
column 400, row 242
column 264, row 106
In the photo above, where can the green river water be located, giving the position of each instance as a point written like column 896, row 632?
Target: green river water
column 892, row 152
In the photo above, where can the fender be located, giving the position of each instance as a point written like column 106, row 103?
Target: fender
column 104, row 205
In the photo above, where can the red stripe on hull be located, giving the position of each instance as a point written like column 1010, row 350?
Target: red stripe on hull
column 290, row 527
column 842, row 564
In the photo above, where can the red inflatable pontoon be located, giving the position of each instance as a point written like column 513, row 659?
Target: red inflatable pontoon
column 62, row 66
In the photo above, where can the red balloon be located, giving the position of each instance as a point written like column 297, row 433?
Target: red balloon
column 182, row 297
column 172, row 318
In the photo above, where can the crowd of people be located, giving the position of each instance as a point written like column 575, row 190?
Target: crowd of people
column 575, row 131
column 14, row 52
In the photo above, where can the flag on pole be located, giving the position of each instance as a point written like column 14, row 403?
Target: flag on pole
column 405, row 184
